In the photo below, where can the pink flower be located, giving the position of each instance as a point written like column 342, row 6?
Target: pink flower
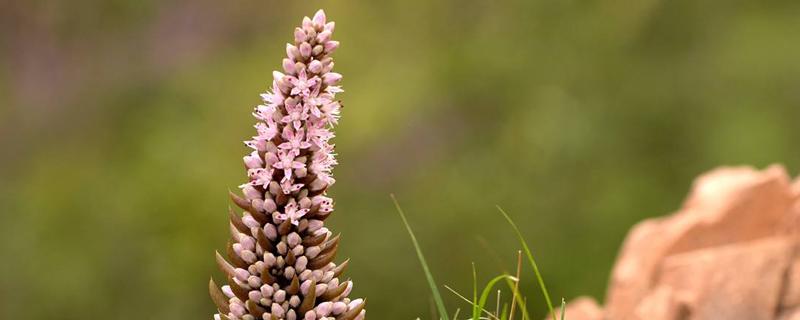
column 287, row 163
column 274, row 98
column 334, row 89
column 319, row 18
column 266, row 131
column 264, row 112
column 297, row 114
column 316, row 101
column 331, row 78
column 253, row 161
column 289, row 186
column 330, row 112
column 256, row 144
column 302, row 84
column 291, row 212
column 319, row 135
column 294, row 141
column 325, row 203
column 260, row 176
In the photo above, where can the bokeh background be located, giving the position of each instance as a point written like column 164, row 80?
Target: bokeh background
column 121, row 125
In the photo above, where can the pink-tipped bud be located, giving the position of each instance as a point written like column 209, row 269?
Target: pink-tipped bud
column 237, row 309
column 277, row 310
column 330, row 26
column 324, row 309
column 253, row 161
column 250, row 222
column 331, row 46
column 277, row 76
column 279, row 296
column 301, row 264
column 319, row 18
column 270, row 231
column 305, row 50
column 315, row 66
column 250, row 192
column 292, row 52
column 324, row 36
column 331, row 78
column 355, row 303
column 241, row 274
column 310, row 315
column 293, row 239
column 288, row 66
column 304, row 286
column 254, row 295
column 299, row 35
column 226, row 289
column 269, row 206
column 306, row 22
column 267, row 290
column 339, row 307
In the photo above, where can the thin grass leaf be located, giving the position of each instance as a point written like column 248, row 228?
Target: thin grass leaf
column 525, row 315
column 487, row 289
column 515, row 290
column 563, row 308
column 475, row 312
column 497, row 305
column 429, row 277
column 520, row 300
column 531, row 260
column 489, row 313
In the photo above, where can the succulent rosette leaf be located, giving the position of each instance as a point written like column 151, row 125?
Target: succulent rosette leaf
column 279, row 262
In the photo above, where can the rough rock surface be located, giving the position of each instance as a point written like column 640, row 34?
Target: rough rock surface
column 731, row 252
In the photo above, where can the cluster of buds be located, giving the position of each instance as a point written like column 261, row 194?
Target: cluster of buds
column 280, row 256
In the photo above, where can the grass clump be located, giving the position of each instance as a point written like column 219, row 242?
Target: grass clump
column 478, row 304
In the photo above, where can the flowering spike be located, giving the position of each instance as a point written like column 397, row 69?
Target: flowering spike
column 281, row 254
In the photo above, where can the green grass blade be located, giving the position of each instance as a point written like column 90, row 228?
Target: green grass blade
column 476, row 313
column 520, row 300
column 531, row 260
column 563, row 308
column 435, row 291
column 487, row 290
column 489, row 315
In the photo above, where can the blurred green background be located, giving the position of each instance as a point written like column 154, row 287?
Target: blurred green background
column 121, row 125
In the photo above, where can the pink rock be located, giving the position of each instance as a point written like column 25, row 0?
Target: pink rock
column 790, row 315
column 791, row 293
column 733, row 282
column 728, row 206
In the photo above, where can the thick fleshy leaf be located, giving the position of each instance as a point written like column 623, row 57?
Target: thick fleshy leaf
column 333, row 293
column 262, row 240
column 353, row 312
column 314, row 240
column 294, row 287
column 254, row 309
column 309, row 300
column 235, row 259
column 238, row 291
column 236, row 220
column 224, row 266
column 340, row 268
column 218, row 297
